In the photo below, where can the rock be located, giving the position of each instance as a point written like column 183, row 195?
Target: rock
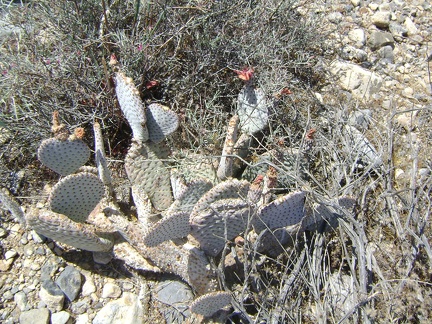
column 10, row 254
column 49, row 268
column 89, row 287
column 408, row 92
column 82, row 319
column 360, row 119
column 381, row 19
column 379, row 39
column 126, row 310
column 35, row 316
column 351, row 53
column 20, row 299
column 398, row 31
column 61, row 318
column 358, row 36
column 373, row 6
column 69, row 282
column 410, row 27
column 5, row 265
column 355, row 3
column 52, row 295
column 80, row 307
column 386, row 54
column 111, row 290
column 102, row 257
column 3, row 232
column 361, row 82
column 177, row 296
column 335, row 17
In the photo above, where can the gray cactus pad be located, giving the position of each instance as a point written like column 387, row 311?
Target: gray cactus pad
column 145, row 169
column 161, row 121
column 132, row 106
column 190, row 196
column 222, row 221
column 284, row 211
column 233, row 188
column 60, row 228
column 174, row 226
column 64, row 157
column 252, row 109
column 210, row 303
column 76, row 196
column 11, row 205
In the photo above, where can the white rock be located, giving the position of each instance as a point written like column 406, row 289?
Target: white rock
column 111, row 290
column 355, row 3
column 357, row 36
column 410, row 26
column 361, row 82
column 381, row 19
column 88, row 287
column 126, row 310
column 10, row 254
column 82, row 319
column 61, row 318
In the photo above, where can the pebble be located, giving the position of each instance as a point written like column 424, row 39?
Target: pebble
column 88, row 287
column 10, row 254
column 410, row 27
column 61, row 318
column 35, row 316
column 82, row 319
column 127, row 309
column 111, row 290
column 52, row 295
column 20, row 299
column 379, row 39
column 381, row 19
column 102, row 257
column 358, row 36
column 3, row 232
column 70, row 281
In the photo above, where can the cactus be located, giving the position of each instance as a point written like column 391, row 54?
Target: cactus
column 207, row 212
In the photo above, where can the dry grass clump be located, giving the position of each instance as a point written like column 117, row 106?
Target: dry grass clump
column 373, row 264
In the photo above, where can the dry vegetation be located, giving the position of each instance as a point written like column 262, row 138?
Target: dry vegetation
column 374, row 266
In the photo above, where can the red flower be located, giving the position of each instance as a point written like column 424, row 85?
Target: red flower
column 246, row 74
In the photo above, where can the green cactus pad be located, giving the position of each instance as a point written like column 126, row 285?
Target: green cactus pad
column 252, row 109
column 197, row 167
column 77, row 195
column 145, row 169
column 64, row 157
column 60, row 228
column 132, row 106
column 161, row 122
column 285, row 211
column 210, row 303
column 222, row 221
column 173, row 226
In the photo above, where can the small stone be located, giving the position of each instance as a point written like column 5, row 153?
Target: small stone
column 82, row 319
column 177, row 295
column 111, row 290
column 69, row 282
column 5, row 265
column 127, row 309
column 20, row 299
column 35, row 266
column 358, row 36
column 80, row 307
column 351, row 53
column 52, row 295
column 62, row 317
column 88, row 287
column 28, row 250
column 373, row 6
column 3, row 232
column 398, row 31
column 408, row 92
column 381, row 19
column 23, row 240
column 10, row 254
column 38, row 238
column 35, row 316
column 127, row 286
column 335, row 17
column 410, row 26
column 379, row 39
column 360, row 119
column 355, row 3
column 49, row 268
column 102, row 257
column 399, row 173
column 386, row 54
column 7, row 295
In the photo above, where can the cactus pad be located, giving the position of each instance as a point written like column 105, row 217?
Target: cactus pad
column 225, row 169
column 191, row 194
column 132, row 106
column 146, row 170
column 252, row 109
column 174, row 226
column 284, row 211
column 76, row 196
column 64, row 157
column 210, row 303
column 161, row 121
column 60, row 228
column 11, row 205
column 222, row 221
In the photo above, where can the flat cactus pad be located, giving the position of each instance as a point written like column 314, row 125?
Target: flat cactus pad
column 161, row 121
column 77, row 195
column 64, row 157
column 210, row 303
